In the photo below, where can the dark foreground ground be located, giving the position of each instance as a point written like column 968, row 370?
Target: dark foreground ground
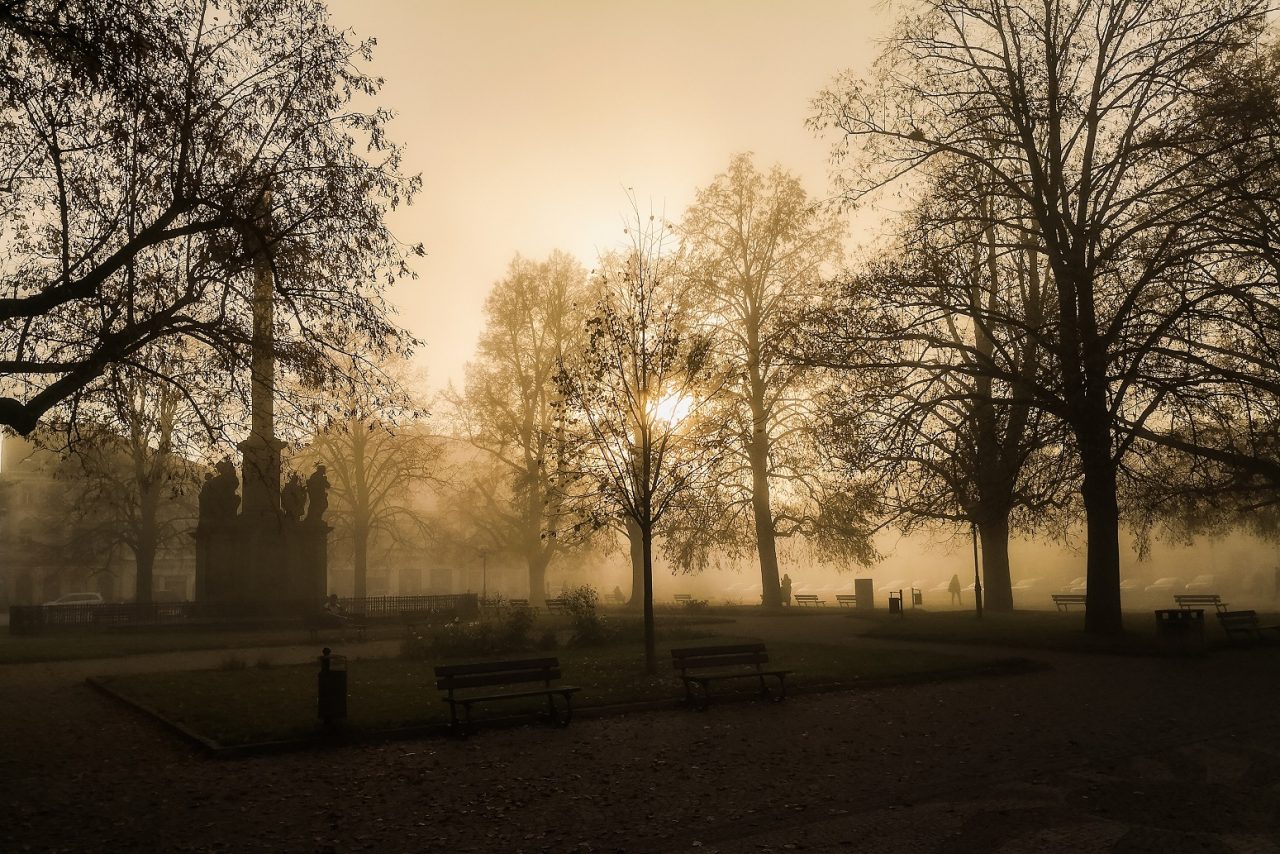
column 1097, row 753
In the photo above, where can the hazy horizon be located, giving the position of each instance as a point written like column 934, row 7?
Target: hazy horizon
column 530, row 121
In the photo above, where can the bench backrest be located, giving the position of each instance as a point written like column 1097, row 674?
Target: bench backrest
column 557, row 604
column 518, row 603
column 453, row 677
column 683, row 597
column 846, row 597
column 1069, row 597
column 806, row 597
column 1197, row 598
column 731, row 655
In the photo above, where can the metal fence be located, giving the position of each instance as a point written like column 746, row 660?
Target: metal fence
column 40, row 619
column 34, row 619
column 373, row 607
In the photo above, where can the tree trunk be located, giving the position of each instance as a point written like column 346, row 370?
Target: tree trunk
column 761, row 505
column 1102, row 604
column 997, row 586
column 650, row 642
column 145, row 559
column 144, row 552
column 765, row 540
column 538, row 578
column 361, row 536
column 636, row 542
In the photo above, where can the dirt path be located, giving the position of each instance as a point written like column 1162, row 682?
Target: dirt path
column 1097, row 754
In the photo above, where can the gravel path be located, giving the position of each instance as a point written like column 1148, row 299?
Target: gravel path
column 1096, row 754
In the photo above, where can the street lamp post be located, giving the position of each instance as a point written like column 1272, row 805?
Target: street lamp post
column 977, row 580
column 484, row 574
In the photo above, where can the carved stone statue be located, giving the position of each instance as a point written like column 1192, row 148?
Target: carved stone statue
column 317, row 495
column 293, row 498
column 218, row 499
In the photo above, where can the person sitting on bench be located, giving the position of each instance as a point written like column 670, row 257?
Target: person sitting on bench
column 333, row 608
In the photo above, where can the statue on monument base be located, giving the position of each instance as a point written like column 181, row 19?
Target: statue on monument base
column 317, row 495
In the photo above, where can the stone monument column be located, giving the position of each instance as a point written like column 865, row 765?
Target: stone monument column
column 261, row 451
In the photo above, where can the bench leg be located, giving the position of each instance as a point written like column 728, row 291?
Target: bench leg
column 552, row 714
column 568, row 710
column 701, row 705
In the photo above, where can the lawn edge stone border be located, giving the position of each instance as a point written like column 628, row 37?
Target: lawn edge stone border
column 347, row 737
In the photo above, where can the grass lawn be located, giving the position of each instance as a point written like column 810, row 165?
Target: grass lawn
column 1031, row 629
column 19, row 649
column 81, row 645
column 252, row 704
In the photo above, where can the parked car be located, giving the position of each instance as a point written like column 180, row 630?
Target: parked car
column 894, row 586
column 1077, row 585
column 1202, row 584
column 1168, row 585
column 1129, row 585
column 77, row 599
column 1027, row 585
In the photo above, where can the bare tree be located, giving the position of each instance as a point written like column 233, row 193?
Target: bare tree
column 910, row 400
column 757, row 247
column 376, row 452
column 1078, row 113
column 532, row 319
column 631, row 398
column 133, row 485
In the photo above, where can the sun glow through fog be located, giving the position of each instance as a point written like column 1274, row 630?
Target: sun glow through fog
column 672, row 408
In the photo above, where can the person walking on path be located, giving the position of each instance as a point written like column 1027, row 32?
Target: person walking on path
column 954, row 589
column 785, row 588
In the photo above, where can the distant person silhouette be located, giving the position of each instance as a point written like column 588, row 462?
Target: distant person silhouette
column 786, row 589
column 954, row 589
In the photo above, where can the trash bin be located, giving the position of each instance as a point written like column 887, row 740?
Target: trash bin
column 1181, row 629
column 895, row 603
column 917, row 597
column 332, row 687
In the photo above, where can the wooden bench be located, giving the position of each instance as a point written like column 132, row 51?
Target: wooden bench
column 519, row 603
column 558, row 605
column 810, row 600
column 1064, row 601
column 702, row 665
column 682, row 598
column 1243, row 624
column 616, row 598
column 847, row 600
column 453, row 678
column 316, row 623
column 1199, row 600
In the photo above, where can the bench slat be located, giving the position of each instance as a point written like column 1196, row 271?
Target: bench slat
column 722, row 660
column 728, row 649
column 511, row 695
column 495, row 666
column 482, row 680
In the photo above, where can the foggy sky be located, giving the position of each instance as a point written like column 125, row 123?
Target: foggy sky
column 528, row 121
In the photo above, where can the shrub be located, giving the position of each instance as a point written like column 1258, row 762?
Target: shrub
column 507, row 631
column 589, row 628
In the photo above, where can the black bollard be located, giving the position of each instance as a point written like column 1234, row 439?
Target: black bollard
column 332, row 688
